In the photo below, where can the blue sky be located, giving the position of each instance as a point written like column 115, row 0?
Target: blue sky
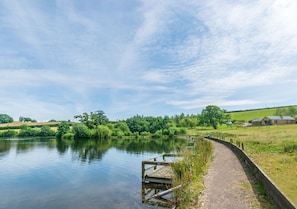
column 65, row 57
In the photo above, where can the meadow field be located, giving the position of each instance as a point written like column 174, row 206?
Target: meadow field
column 273, row 149
column 248, row 115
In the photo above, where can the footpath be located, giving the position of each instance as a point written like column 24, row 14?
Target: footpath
column 227, row 184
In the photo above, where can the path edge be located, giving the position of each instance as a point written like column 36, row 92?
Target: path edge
column 277, row 196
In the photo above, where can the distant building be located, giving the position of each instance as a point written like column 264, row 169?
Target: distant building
column 273, row 120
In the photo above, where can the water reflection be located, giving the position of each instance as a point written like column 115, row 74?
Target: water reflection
column 4, row 148
column 88, row 150
column 150, row 195
column 77, row 174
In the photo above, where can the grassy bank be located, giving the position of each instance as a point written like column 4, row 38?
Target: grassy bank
column 189, row 172
column 274, row 149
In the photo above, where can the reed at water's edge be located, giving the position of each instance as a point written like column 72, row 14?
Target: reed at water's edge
column 189, row 172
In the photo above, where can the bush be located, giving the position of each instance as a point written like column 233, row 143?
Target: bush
column 63, row 128
column 46, row 131
column 80, row 130
column 28, row 132
column 189, row 172
column 103, row 132
column 8, row 133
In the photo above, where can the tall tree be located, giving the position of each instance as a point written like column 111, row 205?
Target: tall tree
column 213, row 116
column 92, row 120
column 4, row 118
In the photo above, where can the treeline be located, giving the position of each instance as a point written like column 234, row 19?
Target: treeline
column 97, row 125
column 27, row 131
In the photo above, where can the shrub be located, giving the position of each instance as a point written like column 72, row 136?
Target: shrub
column 28, row 132
column 103, row 132
column 80, row 130
column 8, row 133
column 189, row 172
column 63, row 128
column 46, row 131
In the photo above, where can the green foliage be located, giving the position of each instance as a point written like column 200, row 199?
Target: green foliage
column 46, row 131
column 27, row 131
column 80, row 130
column 103, row 132
column 93, row 119
column 147, row 124
column 8, row 133
column 247, row 115
column 26, row 119
column 287, row 111
column 123, row 127
column 189, row 172
column 4, row 118
column 213, row 116
column 63, row 128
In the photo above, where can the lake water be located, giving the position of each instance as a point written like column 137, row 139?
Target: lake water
column 49, row 173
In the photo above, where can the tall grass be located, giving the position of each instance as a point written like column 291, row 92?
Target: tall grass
column 189, row 172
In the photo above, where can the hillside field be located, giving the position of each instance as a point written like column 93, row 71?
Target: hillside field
column 247, row 115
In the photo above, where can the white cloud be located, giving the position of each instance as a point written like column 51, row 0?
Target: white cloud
column 145, row 56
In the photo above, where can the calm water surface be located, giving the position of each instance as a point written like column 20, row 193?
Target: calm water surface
column 46, row 173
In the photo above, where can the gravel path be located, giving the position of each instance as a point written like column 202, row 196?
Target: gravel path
column 227, row 185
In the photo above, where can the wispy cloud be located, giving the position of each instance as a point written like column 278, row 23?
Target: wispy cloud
column 66, row 57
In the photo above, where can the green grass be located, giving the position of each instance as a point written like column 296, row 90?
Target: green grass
column 189, row 172
column 247, row 115
column 274, row 149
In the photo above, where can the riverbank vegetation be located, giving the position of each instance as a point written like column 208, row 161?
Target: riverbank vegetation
column 189, row 172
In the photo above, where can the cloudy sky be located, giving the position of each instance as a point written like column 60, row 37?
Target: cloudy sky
column 60, row 58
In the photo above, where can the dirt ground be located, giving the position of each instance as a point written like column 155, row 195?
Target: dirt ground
column 228, row 185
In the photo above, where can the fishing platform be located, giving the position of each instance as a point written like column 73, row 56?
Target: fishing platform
column 158, row 170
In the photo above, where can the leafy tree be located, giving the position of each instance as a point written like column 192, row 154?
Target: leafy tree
column 93, row 119
column 46, row 131
column 103, row 132
column 213, row 116
column 4, row 118
column 26, row 119
column 99, row 118
column 290, row 111
column 123, row 127
column 63, row 128
column 80, row 130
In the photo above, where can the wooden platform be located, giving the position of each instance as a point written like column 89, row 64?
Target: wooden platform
column 158, row 170
column 162, row 175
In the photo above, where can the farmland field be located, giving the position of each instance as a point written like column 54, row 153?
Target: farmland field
column 15, row 124
column 252, row 114
column 274, row 149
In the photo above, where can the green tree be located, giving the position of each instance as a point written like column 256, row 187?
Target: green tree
column 63, row 128
column 80, row 130
column 46, row 131
column 4, row 118
column 213, row 116
column 92, row 120
column 103, row 132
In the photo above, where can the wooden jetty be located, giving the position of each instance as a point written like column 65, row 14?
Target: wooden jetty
column 157, row 174
column 158, row 170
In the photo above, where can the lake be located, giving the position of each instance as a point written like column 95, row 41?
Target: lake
column 50, row 173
